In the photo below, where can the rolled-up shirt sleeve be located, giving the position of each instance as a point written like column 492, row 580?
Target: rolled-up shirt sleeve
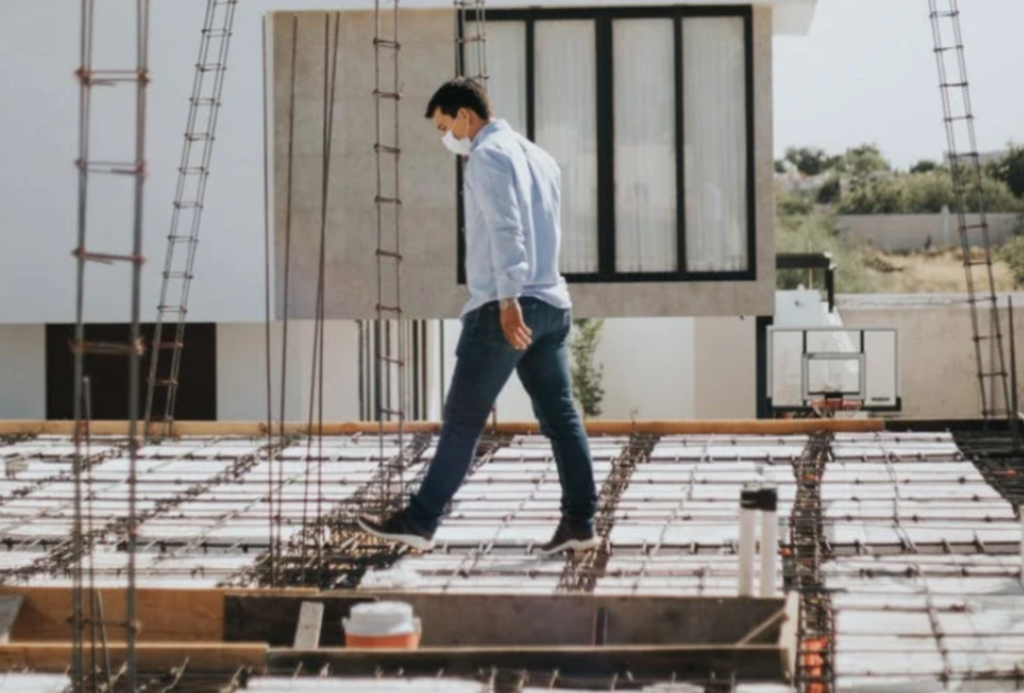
column 494, row 187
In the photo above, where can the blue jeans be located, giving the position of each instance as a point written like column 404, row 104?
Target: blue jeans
column 485, row 363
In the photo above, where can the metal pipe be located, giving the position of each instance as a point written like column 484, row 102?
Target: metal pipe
column 748, row 529
column 769, row 498
column 1013, row 417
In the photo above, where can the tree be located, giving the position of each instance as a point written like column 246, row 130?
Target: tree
column 830, row 192
column 586, row 375
column 810, row 161
column 1010, row 170
column 864, row 161
column 881, row 196
column 924, row 166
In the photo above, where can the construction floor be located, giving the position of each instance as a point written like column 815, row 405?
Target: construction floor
column 909, row 549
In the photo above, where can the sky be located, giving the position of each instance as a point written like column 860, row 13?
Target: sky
column 867, row 73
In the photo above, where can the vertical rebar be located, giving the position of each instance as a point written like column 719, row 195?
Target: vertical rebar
column 134, row 356
column 84, row 107
column 135, row 167
column 316, row 391
column 268, row 314
column 275, row 524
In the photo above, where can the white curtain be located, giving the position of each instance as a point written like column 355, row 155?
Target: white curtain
column 645, row 146
column 566, row 126
column 714, row 109
column 506, row 71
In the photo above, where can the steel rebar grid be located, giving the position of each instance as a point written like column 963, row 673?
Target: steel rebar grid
column 62, row 557
column 189, row 199
column 176, row 680
column 581, row 572
column 90, row 77
column 348, row 551
column 808, row 550
column 967, row 176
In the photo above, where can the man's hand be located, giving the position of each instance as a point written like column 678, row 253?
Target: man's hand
column 515, row 329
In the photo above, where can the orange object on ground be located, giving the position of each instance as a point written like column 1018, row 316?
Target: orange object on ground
column 410, row 641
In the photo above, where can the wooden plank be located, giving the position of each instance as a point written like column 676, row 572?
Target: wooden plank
column 10, row 607
column 179, row 615
column 788, row 634
column 311, row 620
column 752, row 663
column 594, row 428
column 202, row 657
column 453, row 620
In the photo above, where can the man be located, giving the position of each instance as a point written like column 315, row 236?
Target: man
column 518, row 318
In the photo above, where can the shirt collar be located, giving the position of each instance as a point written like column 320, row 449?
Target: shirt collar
column 496, row 125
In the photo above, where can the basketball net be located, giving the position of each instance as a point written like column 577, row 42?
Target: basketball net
column 835, row 407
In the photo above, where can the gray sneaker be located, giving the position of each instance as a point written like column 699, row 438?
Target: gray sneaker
column 567, row 537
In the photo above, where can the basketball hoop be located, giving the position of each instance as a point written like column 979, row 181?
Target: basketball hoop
column 835, row 408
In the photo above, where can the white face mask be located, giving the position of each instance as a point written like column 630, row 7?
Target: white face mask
column 459, row 146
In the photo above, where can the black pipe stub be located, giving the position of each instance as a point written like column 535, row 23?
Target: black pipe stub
column 759, row 497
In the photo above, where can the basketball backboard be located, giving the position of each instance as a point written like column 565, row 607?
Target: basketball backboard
column 853, row 364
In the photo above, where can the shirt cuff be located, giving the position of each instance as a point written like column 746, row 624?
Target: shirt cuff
column 508, row 289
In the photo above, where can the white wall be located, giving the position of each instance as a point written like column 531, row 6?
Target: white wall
column 661, row 385
column 725, row 369
column 241, row 371
column 658, row 385
column 22, row 372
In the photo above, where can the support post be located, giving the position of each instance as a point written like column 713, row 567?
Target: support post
column 748, row 527
column 769, row 502
column 1014, row 419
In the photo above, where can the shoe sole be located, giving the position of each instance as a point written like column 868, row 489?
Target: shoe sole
column 575, row 545
column 416, row 542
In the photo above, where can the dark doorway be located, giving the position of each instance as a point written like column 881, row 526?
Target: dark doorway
column 108, row 375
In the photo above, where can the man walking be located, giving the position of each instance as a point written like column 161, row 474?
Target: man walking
column 518, row 319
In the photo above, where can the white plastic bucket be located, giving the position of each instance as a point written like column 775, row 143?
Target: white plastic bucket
column 382, row 625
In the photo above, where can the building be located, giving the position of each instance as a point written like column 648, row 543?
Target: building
column 711, row 266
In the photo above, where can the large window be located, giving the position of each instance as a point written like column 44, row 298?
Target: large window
column 648, row 112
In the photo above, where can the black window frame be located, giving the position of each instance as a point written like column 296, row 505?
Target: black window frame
column 603, row 18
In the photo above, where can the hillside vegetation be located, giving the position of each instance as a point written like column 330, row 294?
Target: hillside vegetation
column 861, row 181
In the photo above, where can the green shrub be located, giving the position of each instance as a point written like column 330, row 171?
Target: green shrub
column 1012, row 253
column 816, row 233
column 587, row 375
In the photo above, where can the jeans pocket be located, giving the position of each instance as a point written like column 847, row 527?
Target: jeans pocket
column 481, row 328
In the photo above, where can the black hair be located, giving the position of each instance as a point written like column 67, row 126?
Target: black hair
column 457, row 93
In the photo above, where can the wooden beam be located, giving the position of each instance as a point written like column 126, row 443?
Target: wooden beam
column 175, row 615
column 255, row 429
column 202, row 657
column 512, row 620
column 166, row 615
column 641, row 663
